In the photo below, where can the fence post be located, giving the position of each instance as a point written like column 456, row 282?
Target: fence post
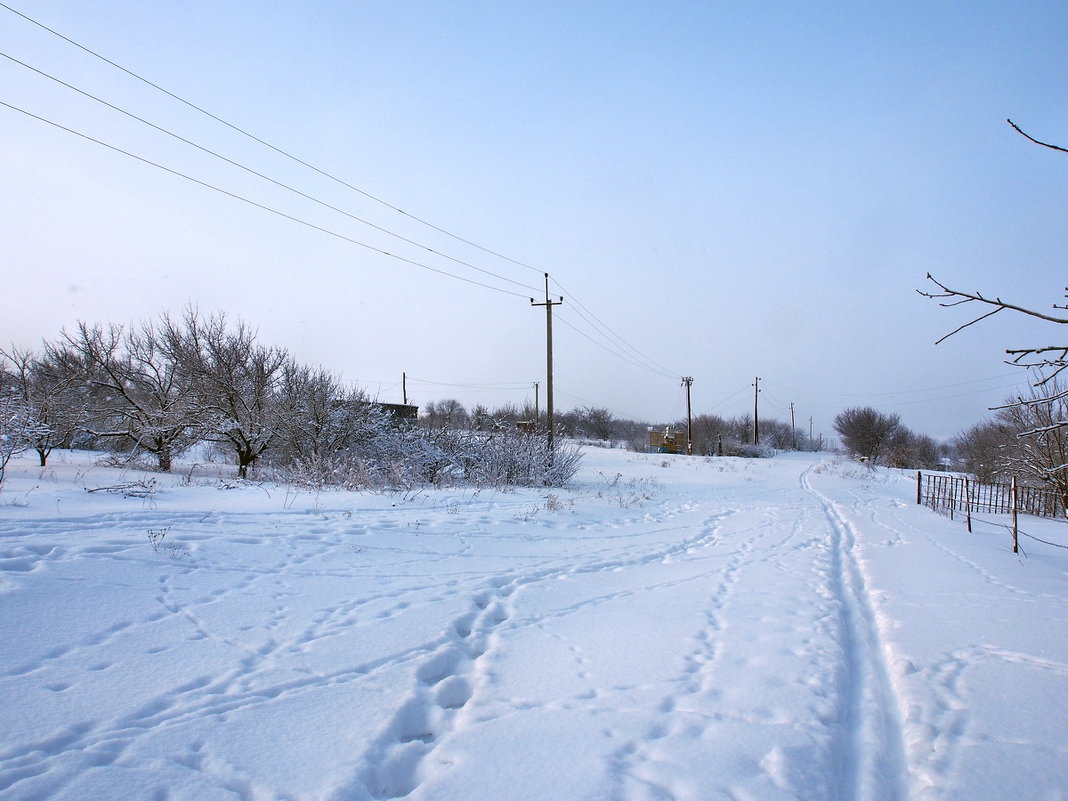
column 919, row 488
column 952, row 496
column 1015, row 532
column 968, row 503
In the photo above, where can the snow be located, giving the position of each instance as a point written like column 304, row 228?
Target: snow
column 666, row 628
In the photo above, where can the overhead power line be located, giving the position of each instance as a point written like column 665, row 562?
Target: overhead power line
column 258, row 205
column 265, row 143
column 601, row 327
column 258, row 174
column 622, row 348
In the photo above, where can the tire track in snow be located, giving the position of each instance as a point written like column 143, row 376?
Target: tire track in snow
column 869, row 750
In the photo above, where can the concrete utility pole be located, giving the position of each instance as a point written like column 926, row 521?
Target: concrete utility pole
column 756, row 411
column 548, row 304
column 687, row 382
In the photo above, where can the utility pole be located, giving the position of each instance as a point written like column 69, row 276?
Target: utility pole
column 756, row 411
column 535, row 402
column 687, row 382
column 793, row 426
column 404, row 387
column 548, row 304
column 810, row 432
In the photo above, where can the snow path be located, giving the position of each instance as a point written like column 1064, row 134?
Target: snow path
column 873, row 764
column 693, row 629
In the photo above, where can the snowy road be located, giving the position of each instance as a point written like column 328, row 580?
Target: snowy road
column 691, row 629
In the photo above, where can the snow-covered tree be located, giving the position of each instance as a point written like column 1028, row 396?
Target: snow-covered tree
column 317, row 415
column 237, row 382
column 19, row 427
column 141, row 393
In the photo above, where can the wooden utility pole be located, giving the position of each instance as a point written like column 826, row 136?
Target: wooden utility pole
column 535, row 402
column 687, row 382
column 548, row 304
column 793, row 426
column 404, row 387
column 756, row 411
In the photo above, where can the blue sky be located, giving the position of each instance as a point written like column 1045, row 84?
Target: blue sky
column 733, row 189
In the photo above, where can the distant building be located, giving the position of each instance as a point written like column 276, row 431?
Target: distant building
column 667, row 441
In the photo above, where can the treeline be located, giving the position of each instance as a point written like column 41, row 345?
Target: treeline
column 159, row 388
column 712, row 435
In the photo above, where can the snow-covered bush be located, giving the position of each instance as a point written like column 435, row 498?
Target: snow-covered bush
column 392, row 456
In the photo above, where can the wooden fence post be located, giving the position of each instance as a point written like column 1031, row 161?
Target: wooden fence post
column 919, row 488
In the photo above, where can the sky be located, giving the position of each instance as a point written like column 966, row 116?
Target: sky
column 717, row 190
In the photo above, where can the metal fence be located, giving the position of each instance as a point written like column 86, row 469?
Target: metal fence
column 951, row 494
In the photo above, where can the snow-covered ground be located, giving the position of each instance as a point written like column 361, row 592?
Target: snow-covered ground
column 667, row 628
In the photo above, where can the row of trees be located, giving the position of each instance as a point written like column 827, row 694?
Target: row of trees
column 712, row 434
column 161, row 387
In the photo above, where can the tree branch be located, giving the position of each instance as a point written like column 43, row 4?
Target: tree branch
column 1032, row 139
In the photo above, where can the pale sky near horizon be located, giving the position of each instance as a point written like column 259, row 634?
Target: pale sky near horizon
column 733, row 189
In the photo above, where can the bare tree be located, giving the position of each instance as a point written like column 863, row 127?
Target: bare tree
column 867, row 433
column 53, row 400
column 140, row 393
column 1048, row 361
column 17, row 423
column 317, row 415
column 980, row 449
column 1038, row 452
column 1039, row 418
column 597, row 422
column 237, row 382
column 448, row 413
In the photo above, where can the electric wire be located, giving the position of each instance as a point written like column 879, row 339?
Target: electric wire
column 487, row 386
column 907, row 391
column 267, row 144
column 251, row 202
column 267, row 178
column 599, row 325
column 608, row 333
column 616, row 353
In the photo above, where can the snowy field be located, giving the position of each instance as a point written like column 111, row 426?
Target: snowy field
column 666, row 628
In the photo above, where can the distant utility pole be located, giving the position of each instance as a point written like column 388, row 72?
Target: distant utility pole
column 756, row 411
column 810, row 432
column 548, row 304
column 535, row 401
column 793, row 426
column 404, row 387
column 687, row 382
